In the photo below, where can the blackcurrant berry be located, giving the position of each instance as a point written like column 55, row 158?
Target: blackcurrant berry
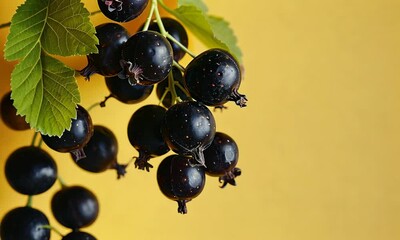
column 9, row 114
column 106, row 62
column 144, row 133
column 30, row 170
column 24, row 223
column 78, row 235
column 146, row 58
column 164, row 94
column 221, row 158
column 179, row 180
column 75, row 207
column 213, row 78
column 177, row 31
column 122, row 10
column 76, row 138
column 124, row 92
column 101, row 152
column 189, row 128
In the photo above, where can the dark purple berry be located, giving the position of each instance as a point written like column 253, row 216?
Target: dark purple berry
column 122, row 10
column 75, row 207
column 30, row 170
column 146, row 58
column 124, row 92
column 189, row 128
column 144, row 133
column 24, row 223
column 101, row 152
column 221, row 157
column 106, row 62
column 9, row 114
column 213, row 78
column 76, row 138
column 179, row 180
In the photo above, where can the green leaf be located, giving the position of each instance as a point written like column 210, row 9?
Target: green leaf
column 214, row 32
column 225, row 34
column 198, row 3
column 45, row 91
column 61, row 27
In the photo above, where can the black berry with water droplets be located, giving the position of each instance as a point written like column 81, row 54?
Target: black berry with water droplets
column 144, row 133
column 189, row 128
column 101, row 152
column 177, row 31
column 106, row 62
column 213, row 78
column 75, row 207
column 76, row 138
column 24, row 223
column 122, row 10
column 179, row 180
column 30, row 170
column 9, row 114
column 124, row 92
column 146, row 58
column 221, row 157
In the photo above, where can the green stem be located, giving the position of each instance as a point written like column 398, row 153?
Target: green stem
column 93, row 106
column 34, row 138
column 62, row 183
column 171, row 88
column 149, row 18
column 29, row 202
column 170, row 37
column 53, row 229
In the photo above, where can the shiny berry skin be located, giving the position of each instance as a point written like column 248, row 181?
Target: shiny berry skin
column 163, row 85
column 122, row 10
column 189, row 128
column 213, row 78
column 76, row 138
column 24, row 223
column 30, row 170
column 126, row 93
column 177, row 31
column 144, row 133
column 75, row 207
column 78, row 235
column 146, row 58
column 106, row 62
column 9, row 114
column 101, row 152
column 221, row 157
column 179, row 180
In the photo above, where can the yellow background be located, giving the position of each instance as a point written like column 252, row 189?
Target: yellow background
column 319, row 140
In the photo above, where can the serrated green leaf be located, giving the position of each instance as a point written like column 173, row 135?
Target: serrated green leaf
column 198, row 3
column 45, row 91
column 206, row 28
column 61, row 27
column 224, row 32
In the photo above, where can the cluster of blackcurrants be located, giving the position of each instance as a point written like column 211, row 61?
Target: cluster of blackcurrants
column 182, row 122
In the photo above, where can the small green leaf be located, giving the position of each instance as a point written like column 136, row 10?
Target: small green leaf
column 198, row 3
column 208, row 29
column 224, row 32
column 45, row 91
